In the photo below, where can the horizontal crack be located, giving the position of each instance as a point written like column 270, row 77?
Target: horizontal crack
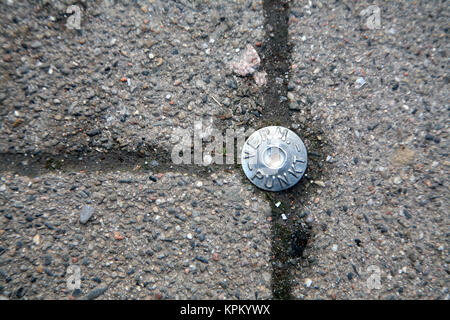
column 94, row 161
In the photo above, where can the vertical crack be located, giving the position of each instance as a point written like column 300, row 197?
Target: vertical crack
column 276, row 57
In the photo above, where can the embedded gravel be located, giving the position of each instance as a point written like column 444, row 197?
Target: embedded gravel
column 371, row 106
column 385, row 201
column 179, row 237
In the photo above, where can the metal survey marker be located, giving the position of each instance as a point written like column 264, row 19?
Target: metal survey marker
column 274, row 158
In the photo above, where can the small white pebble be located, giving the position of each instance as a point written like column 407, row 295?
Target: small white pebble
column 283, row 216
column 397, row 180
column 334, row 247
column 207, row 159
column 308, row 282
column 199, row 184
column 360, row 82
column 319, row 183
column 277, row 204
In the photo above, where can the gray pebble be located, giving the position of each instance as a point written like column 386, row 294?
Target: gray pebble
column 97, row 292
column 86, row 213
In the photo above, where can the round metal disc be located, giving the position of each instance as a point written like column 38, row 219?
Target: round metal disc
column 274, row 158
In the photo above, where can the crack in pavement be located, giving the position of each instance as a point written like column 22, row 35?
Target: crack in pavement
column 289, row 236
column 157, row 161
column 275, row 61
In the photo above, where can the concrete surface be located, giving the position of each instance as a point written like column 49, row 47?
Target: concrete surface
column 86, row 118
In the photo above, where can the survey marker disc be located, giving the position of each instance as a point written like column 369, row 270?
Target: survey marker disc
column 274, row 158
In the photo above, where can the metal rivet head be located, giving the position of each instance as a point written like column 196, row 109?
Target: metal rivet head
column 274, row 158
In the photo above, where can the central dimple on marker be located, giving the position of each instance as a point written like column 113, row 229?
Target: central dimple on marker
column 274, row 157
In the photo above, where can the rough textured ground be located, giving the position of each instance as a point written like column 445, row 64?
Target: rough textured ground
column 385, row 201
column 67, row 91
column 182, row 238
column 376, row 191
column 66, row 96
